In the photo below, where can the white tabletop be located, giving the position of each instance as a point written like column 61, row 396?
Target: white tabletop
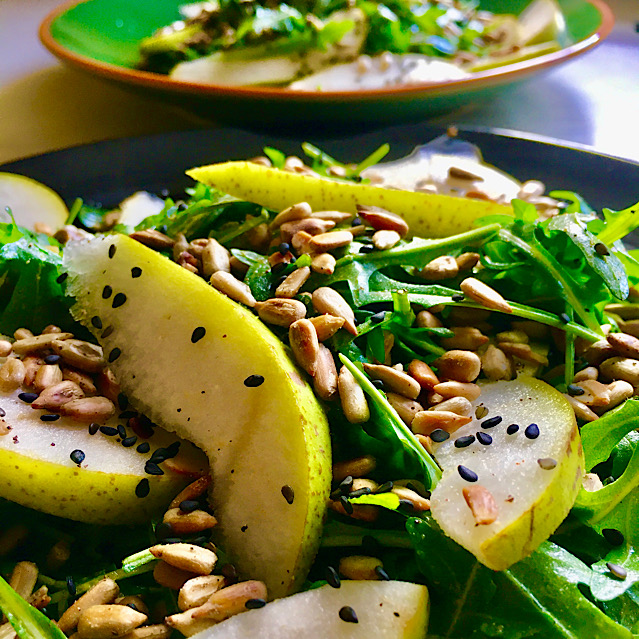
column 44, row 105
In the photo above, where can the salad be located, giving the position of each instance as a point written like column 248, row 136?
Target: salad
column 330, row 46
column 468, row 443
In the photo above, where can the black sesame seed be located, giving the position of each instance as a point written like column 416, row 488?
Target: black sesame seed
column 532, row 431
column 112, row 250
column 463, row 442
column 61, row 278
column 108, row 430
column 356, row 221
column 163, row 530
column 27, row 398
column 253, row 381
column 198, row 334
column 51, row 359
column 118, row 300
column 127, row 442
column 345, row 485
column 332, row 578
column 93, row 428
column 151, row 468
column 71, row 586
column 49, row 418
column 366, row 248
column 288, row 493
column 439, row 435
column 107, row 291
column 3, row 412
column 467, row 474
column 512, row 429
column 189, row 505
column 114, row 354
column 573, row 389
column 107, row 332
column 457, row 297
column 172, row 450
column 346, row 505
column 143, row 489
column 601, row 249
column 284, row 248
column 613, row 536
column 378, row 384
column 616, row 570
column 565, row 318
column 359, row 492
column 229, row 572
column 378, row 317
column 547, row 463
column 77, row 456
column 484, row 438
column 381, row 573
column 254, row 604
column 144, row 447
column 491, row 422
column 121, row 431
column 348, row 614
column 136, row 271
column 386, row 487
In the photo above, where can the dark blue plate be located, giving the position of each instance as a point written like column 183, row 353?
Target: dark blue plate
column 107, row 172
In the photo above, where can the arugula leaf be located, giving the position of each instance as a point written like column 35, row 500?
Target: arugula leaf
column 404, row 436
column 27, row 621
column 259, row 275
column 537, row 597
column 600, row 437
column 30, row 294
column 607, row 266
column 390, row 501
column 616, row 224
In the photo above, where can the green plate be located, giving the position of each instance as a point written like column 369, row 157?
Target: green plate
column 102, row 36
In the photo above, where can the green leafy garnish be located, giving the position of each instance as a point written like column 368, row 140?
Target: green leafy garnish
column 27, row 621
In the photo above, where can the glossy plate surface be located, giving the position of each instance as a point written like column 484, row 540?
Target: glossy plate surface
column 109, row 171
column 102, row 36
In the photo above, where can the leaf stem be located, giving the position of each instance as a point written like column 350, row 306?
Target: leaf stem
column 422, row 248
column 556, row 274
column 433, row 471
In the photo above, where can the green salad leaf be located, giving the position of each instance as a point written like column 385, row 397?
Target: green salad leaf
column 27, row 621
column 539, row 596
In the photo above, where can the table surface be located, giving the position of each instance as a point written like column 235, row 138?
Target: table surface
column 44, row 105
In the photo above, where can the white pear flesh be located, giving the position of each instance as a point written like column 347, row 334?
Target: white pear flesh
column 411, row 68
column 268, row 444
column 31, row 202
column 531, row 500
column 384, row 609
column 37, row 470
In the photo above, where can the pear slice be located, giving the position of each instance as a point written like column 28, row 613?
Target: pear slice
column 37, row 470
column 31, row 202
column 427, row 214
column 203, row 366
column 275, row 63
column 533, row 481
column 384, row 610
column 541, row 21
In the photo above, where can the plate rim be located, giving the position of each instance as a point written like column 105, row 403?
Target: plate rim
column 500, row 132
column 480, row 80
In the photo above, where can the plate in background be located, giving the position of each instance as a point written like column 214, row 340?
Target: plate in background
column 102, row 36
